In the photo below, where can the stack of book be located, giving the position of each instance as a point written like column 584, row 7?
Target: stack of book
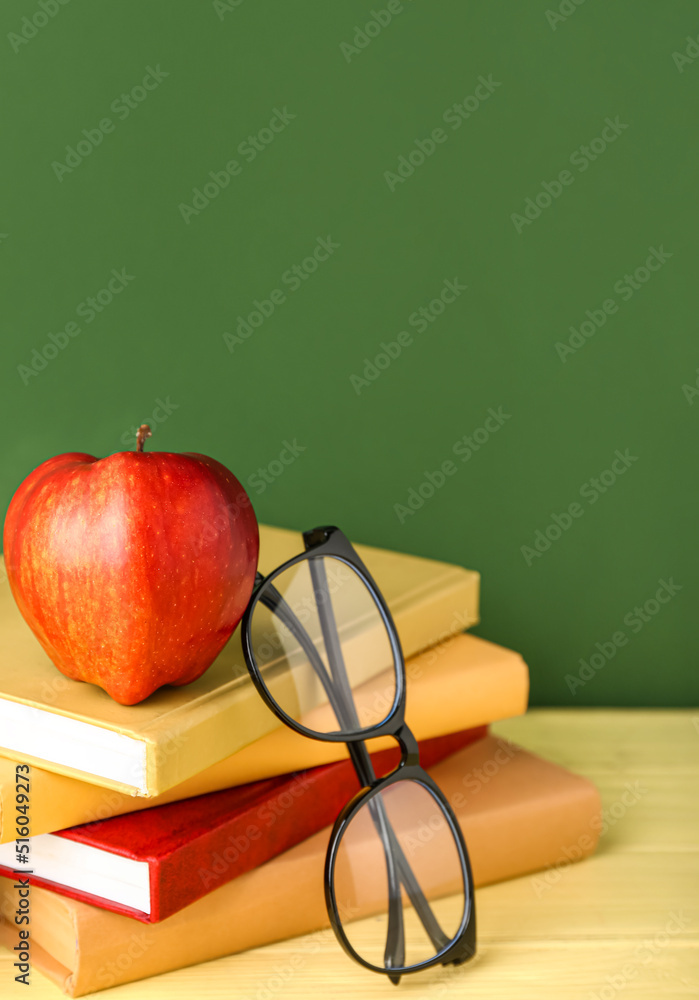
column 194, row 824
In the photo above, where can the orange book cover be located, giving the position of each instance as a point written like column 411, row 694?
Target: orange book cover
column 460, row 683
column 519, row 813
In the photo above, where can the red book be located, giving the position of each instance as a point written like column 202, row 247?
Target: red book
column 152, row 863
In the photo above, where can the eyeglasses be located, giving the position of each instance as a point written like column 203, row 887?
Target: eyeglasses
column 323, row 652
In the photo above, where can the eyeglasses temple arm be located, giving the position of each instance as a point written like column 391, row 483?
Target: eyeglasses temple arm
column 343, row 706
column 273, row 600
column 394, row 953
column 363, row 764
column 361, row 759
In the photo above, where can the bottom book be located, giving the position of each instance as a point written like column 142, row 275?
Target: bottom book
column 519, row 813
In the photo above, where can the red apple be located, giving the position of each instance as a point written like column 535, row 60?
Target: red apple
column 132, row 570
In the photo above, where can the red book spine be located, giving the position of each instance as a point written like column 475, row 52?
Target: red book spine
column 300, row 806
column 198, row 844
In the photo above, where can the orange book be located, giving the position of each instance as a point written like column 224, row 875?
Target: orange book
column 519, row 813
column 459, row 684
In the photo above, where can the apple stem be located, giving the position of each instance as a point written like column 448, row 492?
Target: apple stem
column 144, row 432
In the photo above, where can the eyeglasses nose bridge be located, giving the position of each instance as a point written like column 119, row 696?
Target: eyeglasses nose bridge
column 410, row 754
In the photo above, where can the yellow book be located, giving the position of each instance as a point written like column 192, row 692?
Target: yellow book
column 74, row 728
column 461, row 683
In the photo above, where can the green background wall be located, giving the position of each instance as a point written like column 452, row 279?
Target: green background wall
column 553, row 81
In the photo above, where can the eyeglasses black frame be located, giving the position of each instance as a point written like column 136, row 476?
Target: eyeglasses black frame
column 329, row 541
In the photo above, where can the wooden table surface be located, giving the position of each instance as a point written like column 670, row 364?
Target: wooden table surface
column 624, row 923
